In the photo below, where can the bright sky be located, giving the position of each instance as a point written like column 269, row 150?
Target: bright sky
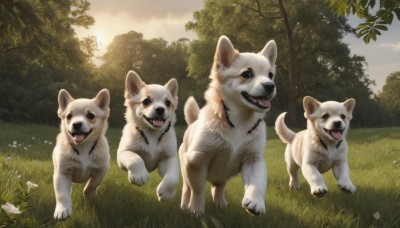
column 167, row 19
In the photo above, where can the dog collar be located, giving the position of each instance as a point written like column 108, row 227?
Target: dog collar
column 159, row 138
column 326, row 146
column 90, row 151
column 226, row 109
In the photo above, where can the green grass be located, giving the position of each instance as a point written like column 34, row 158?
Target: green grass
column 374, row 159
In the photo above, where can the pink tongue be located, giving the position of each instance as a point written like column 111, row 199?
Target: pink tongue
column 336, row 135
column 264, row 102
column 158, row 123
column 79, row 138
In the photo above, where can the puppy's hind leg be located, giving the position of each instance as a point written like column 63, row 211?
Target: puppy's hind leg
column 185, row 195
column 169, row 170
column 218, row 195
column 293, row 170
column 196, row 177
column 94, row 182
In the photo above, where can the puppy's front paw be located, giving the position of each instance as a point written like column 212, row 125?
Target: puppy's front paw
column 138, row 178
column 62, row 212
column 319, row 191
column 347, row 187
column 166, row 190
column 254, row 206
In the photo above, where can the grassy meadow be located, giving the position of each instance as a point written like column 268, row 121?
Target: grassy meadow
column 374, row 159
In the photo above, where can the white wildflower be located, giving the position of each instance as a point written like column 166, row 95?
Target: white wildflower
column 50, row 143
column 31, row 185
column 376, row 215
column 25, row 148
column 45, row 142
column 10, row 209
column 8, row 158
column 33, row 138
column 15, row 143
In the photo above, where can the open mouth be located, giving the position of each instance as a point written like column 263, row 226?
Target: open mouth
column 79, row 136
column 335, row 133
column 156, row 122
column 261, row 102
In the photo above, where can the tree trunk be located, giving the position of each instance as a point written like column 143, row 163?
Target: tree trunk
column 292, row 91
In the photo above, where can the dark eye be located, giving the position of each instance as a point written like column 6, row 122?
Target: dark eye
column 69, row 116
column 325, row 116
column 270, row 75
column 343, row 116
column 146, row 101
column 168, row 103
column 90, row 116
column 247, row 74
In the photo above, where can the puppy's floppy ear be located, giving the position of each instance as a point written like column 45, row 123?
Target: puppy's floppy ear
column 172, row 86
column 270, row 51
column 103, row 99
column 349, row 105
column 133, row 84
column 310, row 105
column 64, row 98
column 225, row 52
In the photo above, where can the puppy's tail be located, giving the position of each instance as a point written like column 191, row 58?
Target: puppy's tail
column 191, row 110
column 282, row 130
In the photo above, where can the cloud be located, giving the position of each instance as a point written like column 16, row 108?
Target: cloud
column 144, row 10
column 395, row 47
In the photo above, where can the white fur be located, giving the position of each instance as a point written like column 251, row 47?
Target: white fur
column 304, row 149
column 213, row 150
column 136, row 156
column 72, row 167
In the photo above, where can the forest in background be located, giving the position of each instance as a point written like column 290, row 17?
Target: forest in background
column 40, row 54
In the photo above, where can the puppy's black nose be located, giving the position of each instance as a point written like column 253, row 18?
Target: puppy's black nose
column 160, row 110
column 337, row 124
column 77, row 125
column 269, row 87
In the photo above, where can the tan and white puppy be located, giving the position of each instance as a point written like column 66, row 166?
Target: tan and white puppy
column 228, row 135
column 148, row 140
column 81, row 153
column 321, row 147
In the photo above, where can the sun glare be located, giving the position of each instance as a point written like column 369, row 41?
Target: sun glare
column 100, row 39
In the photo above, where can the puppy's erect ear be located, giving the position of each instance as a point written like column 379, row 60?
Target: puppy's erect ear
column 270, row 51
column 172, row 86
column 310, row 105
column 133, row 84
column 103, row 99
column 225, row 53
column 64, row 98
column 349, row 105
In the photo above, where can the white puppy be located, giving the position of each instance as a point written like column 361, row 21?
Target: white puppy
column 148, row 139
column 81, row 153
column 228, row 135
column 321, row 147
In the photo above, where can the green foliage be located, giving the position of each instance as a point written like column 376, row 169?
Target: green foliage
column 19, row 196
column 375, row 22
column 389, row 97
column 372, row 152
column 39, row 54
